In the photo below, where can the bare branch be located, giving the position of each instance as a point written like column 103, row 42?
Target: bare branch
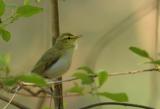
column 17, row 104
column 11, row 100
column 116, row 103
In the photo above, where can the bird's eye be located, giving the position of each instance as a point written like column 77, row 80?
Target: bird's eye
column 69, row 37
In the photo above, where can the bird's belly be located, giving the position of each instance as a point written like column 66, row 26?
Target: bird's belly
column 60, row 67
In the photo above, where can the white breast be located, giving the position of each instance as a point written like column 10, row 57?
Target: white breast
column 61, row 66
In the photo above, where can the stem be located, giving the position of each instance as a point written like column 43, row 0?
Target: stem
column 117, row 103
column 41, row 102
column 58, row 88
column 9, row 20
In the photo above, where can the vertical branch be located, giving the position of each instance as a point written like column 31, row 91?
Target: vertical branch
column 55, row 19
column 154, row 76
column 41, row 102
column 58, row 89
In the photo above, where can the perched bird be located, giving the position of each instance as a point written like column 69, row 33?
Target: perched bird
column 56, row 60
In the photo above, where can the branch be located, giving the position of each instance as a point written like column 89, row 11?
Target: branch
column 14, row 103
column 94, row 75
column 11, row 101
column 111, row 74
column 36, row 94
column 117, row 103
column 58, row 89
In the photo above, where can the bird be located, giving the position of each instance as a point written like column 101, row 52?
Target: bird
column 57, row 60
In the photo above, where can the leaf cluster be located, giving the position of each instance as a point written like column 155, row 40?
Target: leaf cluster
column 91, row 82
column 25, row 10
column 143, row 53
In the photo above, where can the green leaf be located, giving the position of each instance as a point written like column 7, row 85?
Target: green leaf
column 10, row 81
column 6, row 35
column 87, row 69
column 76, row 89
column 102, row 77
column 140, row 52
column 2, row 7
column 4, row 62
column 28, row 10
column 120, row 97
column 85, row 78
column 4, row 59
column 155, row 62
column 26, row 2
column 33, row 78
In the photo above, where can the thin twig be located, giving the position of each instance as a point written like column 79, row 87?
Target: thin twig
column 34, row 93
column 10, row 101
column 111, row 74
column 14, row 103
column 134, row 72
column 37, row 94
column 116, row 103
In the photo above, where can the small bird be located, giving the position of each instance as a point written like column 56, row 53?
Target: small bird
column 57, row 60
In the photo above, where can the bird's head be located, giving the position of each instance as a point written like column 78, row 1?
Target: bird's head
column 67, row 40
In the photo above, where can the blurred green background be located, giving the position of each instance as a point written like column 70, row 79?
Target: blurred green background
column 109, row 28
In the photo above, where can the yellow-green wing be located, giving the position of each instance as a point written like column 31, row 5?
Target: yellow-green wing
column 47, row 60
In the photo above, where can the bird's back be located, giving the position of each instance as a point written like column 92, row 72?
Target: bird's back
column 49, row 58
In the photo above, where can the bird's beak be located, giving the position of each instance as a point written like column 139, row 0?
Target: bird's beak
column 78, row 36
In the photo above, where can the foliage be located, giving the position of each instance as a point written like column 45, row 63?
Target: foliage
column 145, row 54
column 87, row 78
column 102, row 77
column 33, row 78
column 140, row 52
column 27, row 11
column 4, row 63
column 2, row 7
column 120, row 97
column 76, row 89
column 24, row 10
column 29, row 78
column 6, row 35
column 86, row 75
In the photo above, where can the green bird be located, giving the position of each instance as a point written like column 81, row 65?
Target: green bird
column 57, row 60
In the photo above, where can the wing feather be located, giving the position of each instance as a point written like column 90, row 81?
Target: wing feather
column 45, row 62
